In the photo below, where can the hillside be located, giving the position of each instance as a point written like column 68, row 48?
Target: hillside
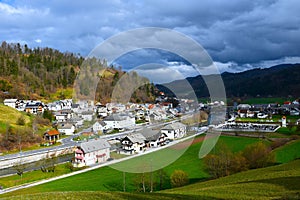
column 48, row 74
column 276, row 81
column 20, row 130
column 276, row 182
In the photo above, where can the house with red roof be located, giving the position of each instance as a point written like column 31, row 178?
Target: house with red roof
column 51, row 135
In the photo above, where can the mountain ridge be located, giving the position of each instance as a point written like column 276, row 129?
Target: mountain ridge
column 277, row 81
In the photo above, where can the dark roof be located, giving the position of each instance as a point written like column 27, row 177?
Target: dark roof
column 150, row 134
column 174, row 126
column 33, row 104
column 116, row 117
column 65, row 126
column 94, row 145
column 87, row 113
column 75, row 105
column 135, row 138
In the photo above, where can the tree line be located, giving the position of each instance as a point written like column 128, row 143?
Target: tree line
column 26, row 72
column 223, row 162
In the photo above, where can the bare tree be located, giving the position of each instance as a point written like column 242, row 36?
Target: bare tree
column 20, row 168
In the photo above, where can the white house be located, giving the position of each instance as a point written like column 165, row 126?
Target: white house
column 10, row 102
column 66, row 128
column 174, row 130
column 92, row 152
column 133, row 143
column 119, row 121
column 34, row 107
column 154, row 138
column 102, row 111
column 87, row 115
column 99, row 126
column 61, row 117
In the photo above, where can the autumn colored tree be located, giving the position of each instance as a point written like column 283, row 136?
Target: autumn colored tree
column 258, row 155
column 179, row 178
column 224, row 162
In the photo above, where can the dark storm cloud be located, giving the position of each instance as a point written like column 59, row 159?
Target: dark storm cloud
column 237, row 34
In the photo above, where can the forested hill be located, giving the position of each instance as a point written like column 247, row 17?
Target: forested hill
column 34, row 73
column 277, row 81
column 39, row 73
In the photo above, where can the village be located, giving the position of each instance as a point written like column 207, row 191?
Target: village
column 135, row 128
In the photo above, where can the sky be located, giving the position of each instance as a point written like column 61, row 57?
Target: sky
column 237, row 34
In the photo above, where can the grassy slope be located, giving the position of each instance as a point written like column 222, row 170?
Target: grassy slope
column 288, row 152
column 10, row 116
column 280, row 181
column 108, row 179
column 276, row 182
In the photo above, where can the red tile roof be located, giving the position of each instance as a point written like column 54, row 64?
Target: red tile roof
column 53, row 132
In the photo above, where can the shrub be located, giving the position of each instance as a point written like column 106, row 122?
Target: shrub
column 179, row 178
column 21, row 121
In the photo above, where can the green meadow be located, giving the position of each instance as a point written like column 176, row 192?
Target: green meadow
column 109, row 179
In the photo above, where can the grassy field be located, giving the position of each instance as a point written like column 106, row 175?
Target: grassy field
column 32, row 176
column 10, row 116
column 108, row 179
column 288, row 152
column 277, row 182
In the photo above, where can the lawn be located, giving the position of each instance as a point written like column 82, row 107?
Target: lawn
column 109, row 179
column 288, row 152
column 32, row 176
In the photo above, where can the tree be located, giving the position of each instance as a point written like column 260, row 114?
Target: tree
column 258, row 155
column 224, row 162
column 218, row 164
column 163, row 178
column 179, row 178
column 48, row 115
column 20, row 168
column 48, row 164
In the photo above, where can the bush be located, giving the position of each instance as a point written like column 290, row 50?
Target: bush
column 21, row 121
column 224, row 162
column 179, row 178
column 258, row 155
